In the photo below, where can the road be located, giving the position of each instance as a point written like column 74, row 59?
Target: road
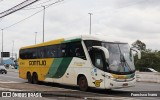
column 11, row 82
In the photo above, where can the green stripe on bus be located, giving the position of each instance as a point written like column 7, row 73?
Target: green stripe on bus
column 130, row 76
column 54, row 67
column 62, row 67
column 73, row 40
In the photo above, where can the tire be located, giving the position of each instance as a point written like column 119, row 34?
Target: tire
column 35, row 78
column 83, row 84
column 29, row 77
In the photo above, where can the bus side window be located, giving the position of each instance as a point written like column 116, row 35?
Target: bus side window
column 75, row 49
column 52, row 51
column 64, row 50
column 61, row 51
column 23, row 54
column 31, row 53
column 41, row 52
column 34, row 54
column 99, row 60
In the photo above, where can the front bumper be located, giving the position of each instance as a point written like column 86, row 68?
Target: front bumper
column 113, row 84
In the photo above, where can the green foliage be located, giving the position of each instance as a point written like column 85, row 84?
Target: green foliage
column 150, row 58
column 139, row 44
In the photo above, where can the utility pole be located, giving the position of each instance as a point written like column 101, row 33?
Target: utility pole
column 35, row 37
column 12, row 48
column 2, row 49
column 12, row 52
column 90, row 23
column 43, row 20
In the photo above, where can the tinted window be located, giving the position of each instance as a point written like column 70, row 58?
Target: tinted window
column 59, row 51
column 73, row 49
column 63, row 51
column 90, row 43
column 41, row 52
column 28, row 53
column 98, row 59
column 22, row 54
column 51, row 51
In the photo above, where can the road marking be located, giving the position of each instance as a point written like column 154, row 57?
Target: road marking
column 112, row 98
column 9, row 82
column 8, row 89
column 9, row 76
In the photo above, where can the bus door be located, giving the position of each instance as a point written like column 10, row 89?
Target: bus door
column 97, row 58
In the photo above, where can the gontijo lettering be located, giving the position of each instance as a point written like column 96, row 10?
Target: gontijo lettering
column 43, row 62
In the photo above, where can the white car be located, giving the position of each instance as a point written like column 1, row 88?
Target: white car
column 3, row 69
column 147, row 70
column 152, row 70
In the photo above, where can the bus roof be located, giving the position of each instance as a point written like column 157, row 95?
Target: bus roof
column 69, row 39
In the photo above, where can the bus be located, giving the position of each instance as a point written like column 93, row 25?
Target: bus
column 83, row 61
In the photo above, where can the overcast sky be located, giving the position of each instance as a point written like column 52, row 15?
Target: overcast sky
column 117, row 20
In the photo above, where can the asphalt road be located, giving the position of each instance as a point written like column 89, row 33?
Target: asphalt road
column 11, row 82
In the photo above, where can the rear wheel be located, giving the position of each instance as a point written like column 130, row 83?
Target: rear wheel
column 83, row 84
column 35, row 78
column 29, row 78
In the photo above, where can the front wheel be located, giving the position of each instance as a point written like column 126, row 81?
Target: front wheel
column 83, row 84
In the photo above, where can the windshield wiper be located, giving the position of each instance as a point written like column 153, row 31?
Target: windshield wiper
column 123, row 60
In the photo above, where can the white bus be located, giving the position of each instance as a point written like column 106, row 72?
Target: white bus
column 85, row 61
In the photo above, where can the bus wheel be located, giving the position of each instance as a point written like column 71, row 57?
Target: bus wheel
column 83, row 84
column 35, row 78
column 29, row 77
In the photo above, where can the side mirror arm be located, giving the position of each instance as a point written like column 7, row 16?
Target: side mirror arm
column 106, row 52
column 138, row 52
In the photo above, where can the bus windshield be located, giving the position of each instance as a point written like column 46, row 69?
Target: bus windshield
column 120, row 59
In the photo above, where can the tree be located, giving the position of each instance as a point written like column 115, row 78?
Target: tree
column 150, row 58
column 140, row 45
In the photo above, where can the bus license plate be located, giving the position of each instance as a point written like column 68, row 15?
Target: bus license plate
column 125, row 84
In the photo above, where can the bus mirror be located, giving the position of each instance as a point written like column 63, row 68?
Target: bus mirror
column 138, row 52
column 106, row 52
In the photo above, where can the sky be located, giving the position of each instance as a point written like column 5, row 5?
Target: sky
column 116, row 20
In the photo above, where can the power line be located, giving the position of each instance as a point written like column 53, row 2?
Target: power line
column 31, row 8
column 22, row 20
column 17, row 7
column 40, row 4
column 54, row 3
column 32, row 14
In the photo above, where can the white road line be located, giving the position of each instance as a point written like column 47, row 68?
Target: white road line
column 9, row 76
column 112, row 98
column 8, row 89
column 9, row 82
